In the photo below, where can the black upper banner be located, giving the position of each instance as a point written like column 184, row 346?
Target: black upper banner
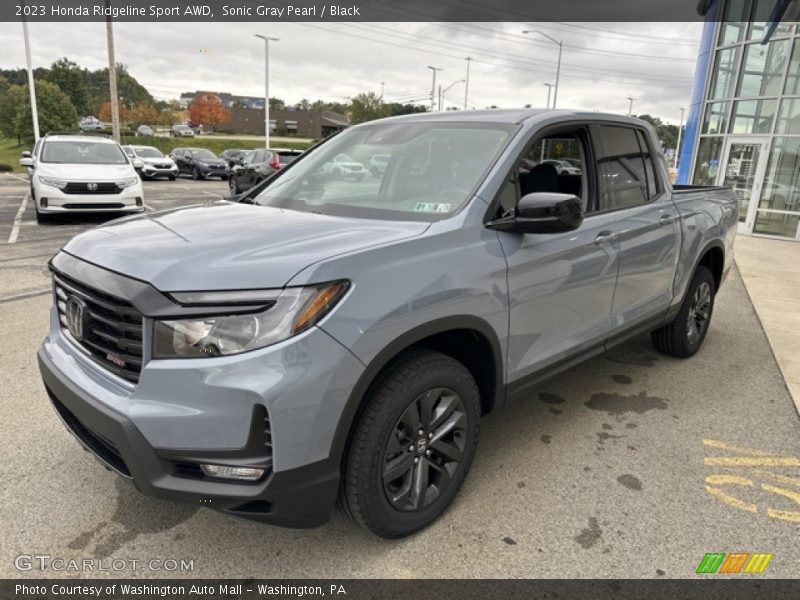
column 356, row 10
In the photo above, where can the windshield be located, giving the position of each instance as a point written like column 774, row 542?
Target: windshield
column 204, row 154
column 83, row 153
column 431, row 171
column 148, row 152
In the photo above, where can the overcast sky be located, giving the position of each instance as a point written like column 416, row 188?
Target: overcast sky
column 603, row 63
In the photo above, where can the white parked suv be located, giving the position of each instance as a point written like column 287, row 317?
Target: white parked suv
column 150, row 162
column 77, row 173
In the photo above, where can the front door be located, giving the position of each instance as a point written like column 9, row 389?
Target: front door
column 742, row 168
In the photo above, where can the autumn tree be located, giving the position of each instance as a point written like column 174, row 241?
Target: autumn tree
column 208, row 110
column 105, row 112
column 143, row 114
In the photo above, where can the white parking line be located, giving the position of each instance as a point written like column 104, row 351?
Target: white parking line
column 212, row 194
column 12, row 237
column 17, row 177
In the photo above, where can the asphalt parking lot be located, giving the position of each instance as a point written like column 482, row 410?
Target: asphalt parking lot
column 630, row 465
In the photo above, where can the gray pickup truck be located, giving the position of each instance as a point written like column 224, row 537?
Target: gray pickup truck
column 341, row 337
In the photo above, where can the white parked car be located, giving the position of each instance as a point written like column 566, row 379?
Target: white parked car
column 563, row 167
column 150, row 162
column 76, row 173
column 345, row 167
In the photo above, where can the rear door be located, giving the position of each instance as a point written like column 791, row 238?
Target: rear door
column 647, row 224
column 561, row 285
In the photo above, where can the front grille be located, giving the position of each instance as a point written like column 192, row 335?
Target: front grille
column 112, row 328
column 101, row 187
column 94, row 205
column 101, row 446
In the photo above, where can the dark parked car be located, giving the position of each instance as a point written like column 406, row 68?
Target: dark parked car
column 234, row 156
column 258, row 166
column 199, row 163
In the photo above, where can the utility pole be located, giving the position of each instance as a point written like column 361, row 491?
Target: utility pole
column 630, row 105
column 466, row 85
column 440, row 97
column 433, row 87
column 560, row 45
column 678, row 146
column 549, row 89
column 442, row 92
column 31, row 87
column 382, row 83
column 112, row 74
column 267, row 40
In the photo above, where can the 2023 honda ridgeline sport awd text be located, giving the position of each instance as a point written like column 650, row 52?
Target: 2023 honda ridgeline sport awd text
column 344, row 336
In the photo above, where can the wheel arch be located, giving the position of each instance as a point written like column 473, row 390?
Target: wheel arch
column 462, row 337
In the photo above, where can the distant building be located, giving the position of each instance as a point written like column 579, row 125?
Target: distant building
column 228, row 100
column 314, row 124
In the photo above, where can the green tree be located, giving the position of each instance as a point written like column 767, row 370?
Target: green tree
column 10, row 102
column 276, row 104
column 668, row 134
column 4, row 84
column 366, row 107
column 71, row 78
column 56, row 112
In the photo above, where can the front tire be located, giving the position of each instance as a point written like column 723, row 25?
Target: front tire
column 234, row 189
column 685, row 334
column 413, row 445
column 196, row 175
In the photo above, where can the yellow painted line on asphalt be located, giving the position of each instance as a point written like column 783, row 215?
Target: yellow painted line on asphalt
column 740, row 449
column 12, row 237
column 756, row 458
column 752, row 461
column 731, row 501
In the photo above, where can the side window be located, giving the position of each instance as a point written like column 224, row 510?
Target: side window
column 258, row 157
column 551, row 163
column 624, row 177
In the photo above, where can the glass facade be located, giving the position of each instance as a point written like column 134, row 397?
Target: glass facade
column 748, row 123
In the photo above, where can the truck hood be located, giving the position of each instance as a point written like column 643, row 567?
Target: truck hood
column 85, row 172
column 227, row 246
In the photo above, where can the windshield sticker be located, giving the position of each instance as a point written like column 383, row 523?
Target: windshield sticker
column 434, row 207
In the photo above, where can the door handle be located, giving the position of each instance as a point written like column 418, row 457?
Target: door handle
column 605, row 237
column 666, row 219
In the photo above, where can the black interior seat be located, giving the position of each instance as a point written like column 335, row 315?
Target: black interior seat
column 542, row 178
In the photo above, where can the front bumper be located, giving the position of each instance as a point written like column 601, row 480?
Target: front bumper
column 127, row 200
column 186, row 412
column 151, row 171
column 214, row 172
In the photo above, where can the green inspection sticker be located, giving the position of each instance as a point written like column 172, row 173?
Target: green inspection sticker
column 434, row 207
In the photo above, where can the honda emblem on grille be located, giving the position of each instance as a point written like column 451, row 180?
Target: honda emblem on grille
column 76, row 313
column 91, row 187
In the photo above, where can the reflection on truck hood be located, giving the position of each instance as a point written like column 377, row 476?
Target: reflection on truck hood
column 226, row 246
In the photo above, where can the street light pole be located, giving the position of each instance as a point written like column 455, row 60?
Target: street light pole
column 466, row 85
column 267, row 40
column 442, row 92
column 112, row 74
column 560, row 45
column 549, row 89
column 382, row 84
column 630, row 105
column 433, row 86
column 31, row 88
column 678, row 146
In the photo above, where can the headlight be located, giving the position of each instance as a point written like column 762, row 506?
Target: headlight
column 289, row 312
column 52, row 181
column 123, row 183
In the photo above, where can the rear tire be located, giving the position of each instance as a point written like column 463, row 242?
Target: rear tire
column 687, row 331
column 413, row 445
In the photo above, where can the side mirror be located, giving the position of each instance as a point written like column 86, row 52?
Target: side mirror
column 543, row 212
column 27, row 154
column 138, row 163
column 26, row 161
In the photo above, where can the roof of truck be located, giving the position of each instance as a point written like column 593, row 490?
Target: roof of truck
column 508, row 115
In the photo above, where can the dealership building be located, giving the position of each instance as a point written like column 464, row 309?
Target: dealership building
column 743, row 125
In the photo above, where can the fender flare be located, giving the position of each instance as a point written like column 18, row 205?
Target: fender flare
column 357, row 395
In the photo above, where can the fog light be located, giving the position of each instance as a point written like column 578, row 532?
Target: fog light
column 226, row 472
column 43, row 202
column 138, row 201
